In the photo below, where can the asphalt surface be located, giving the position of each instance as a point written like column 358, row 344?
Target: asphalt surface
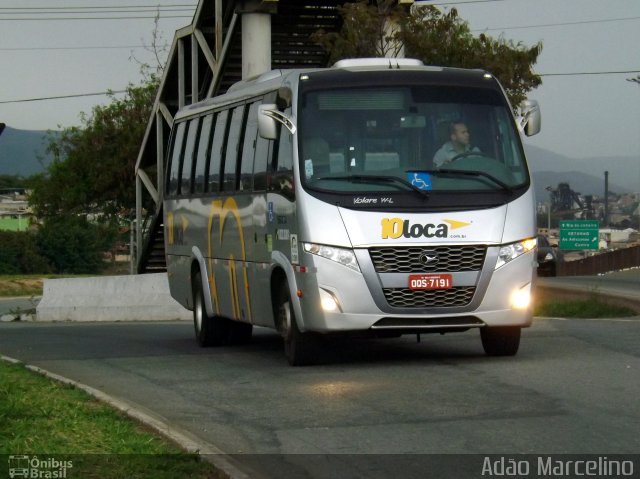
column 374, row 408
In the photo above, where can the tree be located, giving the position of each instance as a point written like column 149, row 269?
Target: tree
column 436, row 38
column 367, row 31
column 19, row 254
column 73, row 245
column 93, row 165
column 12, row 181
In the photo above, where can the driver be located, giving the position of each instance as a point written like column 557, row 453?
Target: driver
column 459, row 143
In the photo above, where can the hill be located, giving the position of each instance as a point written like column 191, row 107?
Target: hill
column 23, row 152
column 580, row 182
column 585, row 175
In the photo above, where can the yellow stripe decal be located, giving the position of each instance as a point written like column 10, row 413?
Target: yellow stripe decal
column 216, row 206
column 222, row 211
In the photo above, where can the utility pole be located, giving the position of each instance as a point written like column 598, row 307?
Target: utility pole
column 606, row 199
column 550, row 190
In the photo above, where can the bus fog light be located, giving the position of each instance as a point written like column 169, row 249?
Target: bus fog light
column 521, row 298
column 328, row 301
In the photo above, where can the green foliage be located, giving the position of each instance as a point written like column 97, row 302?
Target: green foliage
column 93, row 166
column 364, row 32
column 583, row 308
column 436, row 38
column 73, row 245
column 91, row 177
column 19, row 254
column 12, row 181
column 63, row 245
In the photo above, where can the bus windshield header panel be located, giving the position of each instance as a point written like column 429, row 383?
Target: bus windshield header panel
column 422, row 139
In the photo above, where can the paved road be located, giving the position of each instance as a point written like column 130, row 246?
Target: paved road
column 573, row 388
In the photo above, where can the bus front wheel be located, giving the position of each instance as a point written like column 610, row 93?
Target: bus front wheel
column 500, row 341
column 299, row 347
column 210, row 331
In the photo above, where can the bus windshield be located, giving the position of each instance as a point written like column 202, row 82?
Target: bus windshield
column 379, row 138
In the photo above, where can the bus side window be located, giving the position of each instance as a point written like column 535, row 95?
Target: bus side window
column 249, row 147
column 173, row 183
column 282, row 176
column 204, row 147
column 219, row 133
column 264, row 152
column 189, row 152
column 233, row 145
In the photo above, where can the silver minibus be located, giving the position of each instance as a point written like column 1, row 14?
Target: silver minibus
column 379, row 197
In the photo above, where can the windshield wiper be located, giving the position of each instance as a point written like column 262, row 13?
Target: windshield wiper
column 473, row 173
column 378, row 178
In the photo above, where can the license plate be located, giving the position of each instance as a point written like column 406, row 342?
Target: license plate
column 430, row 281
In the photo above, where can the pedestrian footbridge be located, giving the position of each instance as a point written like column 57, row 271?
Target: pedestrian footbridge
column 227, row 41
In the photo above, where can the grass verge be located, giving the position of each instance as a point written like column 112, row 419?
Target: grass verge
column 31, row 284
column 21, row 285
column 582, row 308
column 42, row 417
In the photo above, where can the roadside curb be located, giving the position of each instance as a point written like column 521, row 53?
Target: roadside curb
column 189, row 442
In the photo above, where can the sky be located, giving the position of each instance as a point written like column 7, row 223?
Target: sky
column 587, row 110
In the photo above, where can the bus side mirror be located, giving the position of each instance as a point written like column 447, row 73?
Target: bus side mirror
column 267, row 126
column 530, row 119
column 268, row 119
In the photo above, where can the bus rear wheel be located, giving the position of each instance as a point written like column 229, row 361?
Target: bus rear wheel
column 500, row 341
column 210, row 331
column 299, row 347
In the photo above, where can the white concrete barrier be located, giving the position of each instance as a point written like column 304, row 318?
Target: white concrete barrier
column 143, row 297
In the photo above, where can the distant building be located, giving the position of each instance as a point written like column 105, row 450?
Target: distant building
column 15, row 213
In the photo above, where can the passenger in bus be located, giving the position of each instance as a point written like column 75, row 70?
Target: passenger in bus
column 459, row 143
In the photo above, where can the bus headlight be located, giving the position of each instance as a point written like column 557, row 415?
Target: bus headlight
column 343, row 256
column 512, row 251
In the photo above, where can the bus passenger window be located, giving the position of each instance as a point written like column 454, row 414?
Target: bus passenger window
column 202, row 155
column 264, row 151
column 233, row 143
column 282, row 178
column 173, row 182
column 249, row 148
column 213, row 183
column 189, row 152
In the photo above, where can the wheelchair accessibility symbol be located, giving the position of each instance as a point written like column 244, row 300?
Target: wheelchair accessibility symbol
column 420, row 180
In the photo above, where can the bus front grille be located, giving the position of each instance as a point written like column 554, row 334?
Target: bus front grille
column 412, row 259
column 407, row 298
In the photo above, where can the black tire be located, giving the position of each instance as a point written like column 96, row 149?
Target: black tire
column 210, row 331
column 299, row 348
column 500, row 341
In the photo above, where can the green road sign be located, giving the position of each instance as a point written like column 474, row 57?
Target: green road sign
column 579, row 234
